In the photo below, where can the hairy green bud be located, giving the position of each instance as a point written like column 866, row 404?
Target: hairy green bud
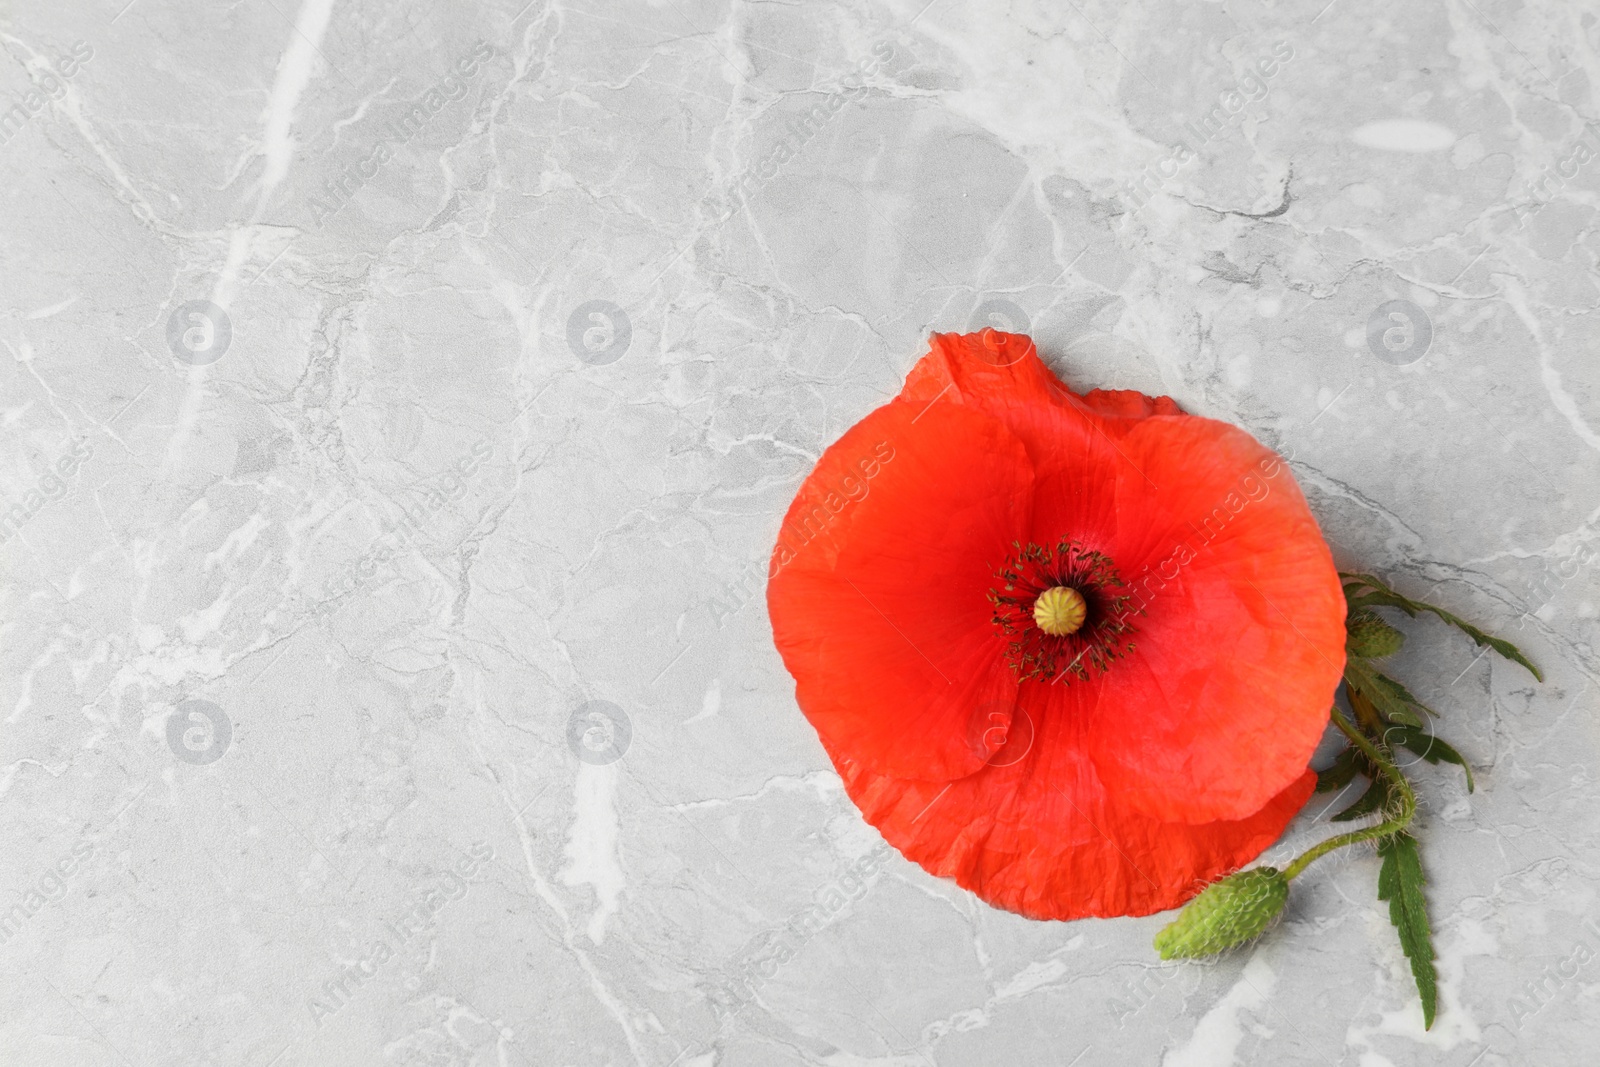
column 1368, row 636
column 1228, row 913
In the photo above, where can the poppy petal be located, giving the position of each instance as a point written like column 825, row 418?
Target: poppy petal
column 1002, row 371
column 992, row 370
column 879, row 585
column 1046, row 838
column 1241, row 644
column 1129, row 404
column 1074, row 457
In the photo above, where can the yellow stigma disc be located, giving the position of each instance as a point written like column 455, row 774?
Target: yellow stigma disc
column 1060, row 611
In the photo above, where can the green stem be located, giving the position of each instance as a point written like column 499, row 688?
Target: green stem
column 1396, row 823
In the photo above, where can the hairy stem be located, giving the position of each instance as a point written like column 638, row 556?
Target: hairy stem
column 1394, row 824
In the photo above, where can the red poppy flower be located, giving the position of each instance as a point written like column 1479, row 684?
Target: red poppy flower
column 1072, row 651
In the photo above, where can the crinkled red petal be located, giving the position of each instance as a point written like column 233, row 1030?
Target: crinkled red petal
column 879, row 583
column 1045, row 837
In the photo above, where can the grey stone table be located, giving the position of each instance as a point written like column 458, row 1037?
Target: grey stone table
column 400, row 400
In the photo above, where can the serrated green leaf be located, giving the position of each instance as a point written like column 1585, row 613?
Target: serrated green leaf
column 1392, row 700
column 1401, row 693
column 1400, row 883
column 1383, row 596
column 1341, row 772
column 1428, row 747
column 1376, row 798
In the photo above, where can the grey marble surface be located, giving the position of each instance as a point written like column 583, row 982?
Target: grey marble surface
column 399, row 402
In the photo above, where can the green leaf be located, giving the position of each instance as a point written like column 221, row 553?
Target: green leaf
column 1400, row 883
column 1383, row 596
column 1400, row 692
column 1341, row 772
column 1428, row 747
column 1376, row 798
column 1392, row 700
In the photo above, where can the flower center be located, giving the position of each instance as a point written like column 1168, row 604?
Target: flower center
column 1061, row 611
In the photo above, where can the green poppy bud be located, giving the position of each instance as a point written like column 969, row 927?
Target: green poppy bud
column 1227, row 913
column 1369, row 636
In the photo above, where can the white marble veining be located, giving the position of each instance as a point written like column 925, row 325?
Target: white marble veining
column 399, row 402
